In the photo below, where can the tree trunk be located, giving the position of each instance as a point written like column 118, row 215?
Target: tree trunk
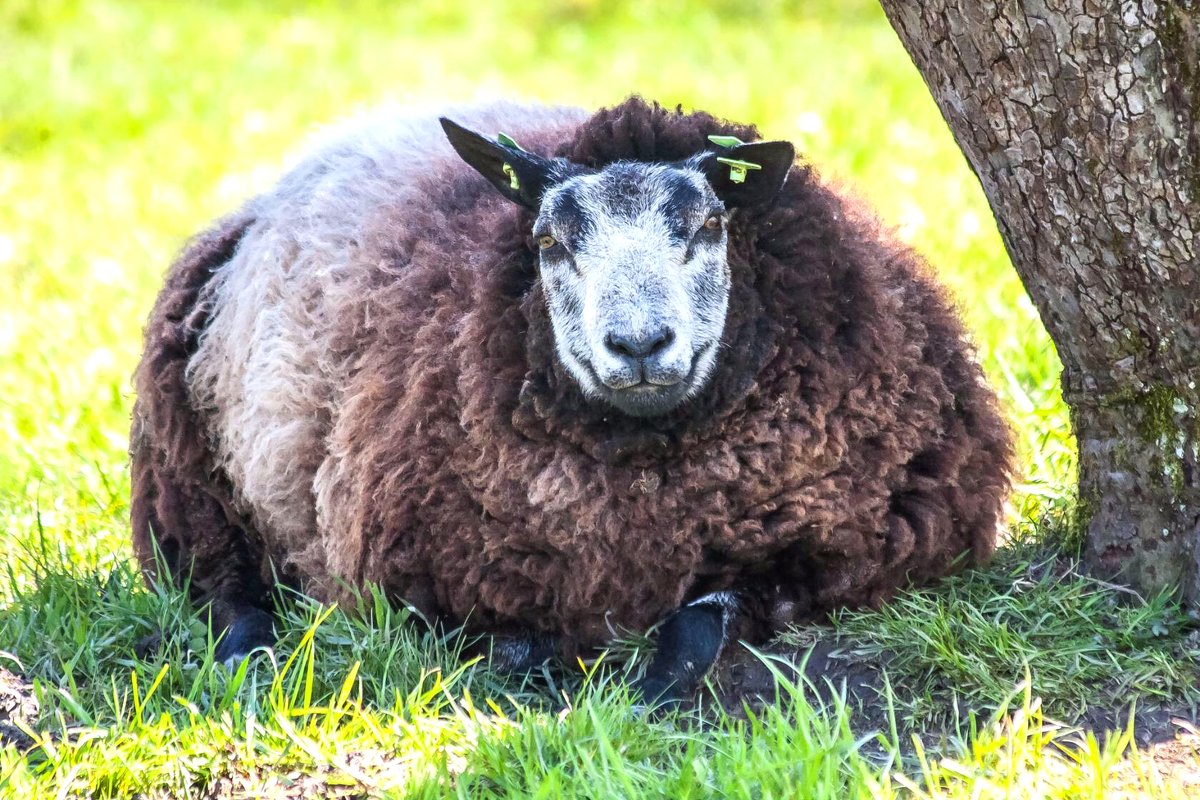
column 1080, row 119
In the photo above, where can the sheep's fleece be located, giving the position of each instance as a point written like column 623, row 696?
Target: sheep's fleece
column 353, row 380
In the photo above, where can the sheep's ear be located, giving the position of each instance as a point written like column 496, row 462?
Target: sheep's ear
column 749, row 174
column 519, row 175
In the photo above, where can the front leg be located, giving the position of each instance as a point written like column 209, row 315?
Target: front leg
column 514, row 653
column 689, row 642
column 241, row 629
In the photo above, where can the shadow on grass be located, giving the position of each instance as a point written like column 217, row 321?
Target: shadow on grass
column 945, row 658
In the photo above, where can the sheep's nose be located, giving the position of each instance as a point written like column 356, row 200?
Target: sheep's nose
column 641, row 345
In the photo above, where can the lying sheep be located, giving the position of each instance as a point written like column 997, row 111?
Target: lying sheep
column 581, row 377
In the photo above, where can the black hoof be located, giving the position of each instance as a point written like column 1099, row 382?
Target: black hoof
column 247, row 632
column 513, row 654
column 658, row 696
column 689, row 642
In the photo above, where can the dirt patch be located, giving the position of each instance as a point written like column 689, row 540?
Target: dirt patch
column 747, row 682
column 1153, row 724
column 1176, row 761
column 18, row 707
column 1166, row 734
column 363, row 774
column 289, row 785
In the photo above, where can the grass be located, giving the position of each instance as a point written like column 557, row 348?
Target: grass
column 364, row 702
column 966, row 643
column 126, row 126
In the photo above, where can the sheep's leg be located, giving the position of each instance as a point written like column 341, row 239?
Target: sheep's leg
column 521, row 653
column 689, row 642
column 185, row 523
column 186, row 531
column 514, row 652
column 244, row 629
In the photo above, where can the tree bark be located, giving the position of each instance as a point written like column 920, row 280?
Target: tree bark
column 1080, row 119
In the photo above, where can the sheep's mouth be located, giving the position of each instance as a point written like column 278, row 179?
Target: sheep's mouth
column 646, row 398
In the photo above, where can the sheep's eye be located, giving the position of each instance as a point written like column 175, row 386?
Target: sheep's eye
column 713, row 223
column 546, row 242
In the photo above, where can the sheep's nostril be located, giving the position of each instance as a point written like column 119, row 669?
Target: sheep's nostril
column 621, row 345
column 641, row 345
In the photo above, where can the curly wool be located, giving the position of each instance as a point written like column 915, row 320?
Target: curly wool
column 846, row 446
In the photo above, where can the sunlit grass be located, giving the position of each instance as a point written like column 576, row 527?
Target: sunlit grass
column 345, row 707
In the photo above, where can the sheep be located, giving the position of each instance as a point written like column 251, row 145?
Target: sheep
column 571, row 376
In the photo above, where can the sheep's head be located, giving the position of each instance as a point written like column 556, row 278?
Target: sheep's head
column 633, row 259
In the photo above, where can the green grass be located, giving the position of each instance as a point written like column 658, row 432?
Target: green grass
column 126, row 126
column 364, row 702
column 966, row 643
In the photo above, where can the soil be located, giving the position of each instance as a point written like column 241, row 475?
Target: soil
column 1169, row 734
column 18, row 707
column 744, row 682
column 324, row 782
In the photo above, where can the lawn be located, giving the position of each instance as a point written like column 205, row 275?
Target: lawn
column 127, row 126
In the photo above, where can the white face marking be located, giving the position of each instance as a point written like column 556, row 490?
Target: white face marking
column 637, row 285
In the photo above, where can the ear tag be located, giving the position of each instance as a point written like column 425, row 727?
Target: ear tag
column 725, row 141
column 514, row 182
column 737, row 169
column 508, row 141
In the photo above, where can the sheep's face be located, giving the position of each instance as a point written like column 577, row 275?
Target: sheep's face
column 633, row 260
column 633, row 264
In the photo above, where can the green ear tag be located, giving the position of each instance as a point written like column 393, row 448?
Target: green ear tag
column 737, row 169
column 508, row 141
column 725, row 141
column 513, row 181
